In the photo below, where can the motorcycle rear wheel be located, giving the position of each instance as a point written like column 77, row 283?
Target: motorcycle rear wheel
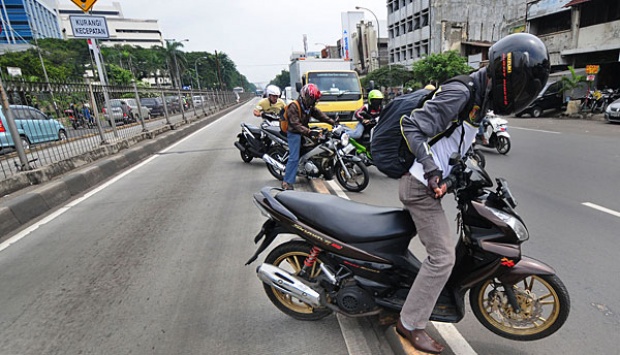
column 544, row 303
column 245, row 154
column 290, row 257
column 359, row 175
column 502, row 145
column 280, row 155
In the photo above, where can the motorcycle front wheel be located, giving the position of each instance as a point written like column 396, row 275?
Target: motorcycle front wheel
column 358, row 172
column 544, row 306
column 280, row 155
column 502, row 145
column 290, row 257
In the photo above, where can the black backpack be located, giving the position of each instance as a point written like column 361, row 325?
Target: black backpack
column 390, row 152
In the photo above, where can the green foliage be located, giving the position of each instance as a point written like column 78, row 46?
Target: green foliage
column 118, row 75
column 282, row 80
column 67, row 60
column 572, row 82
column 390, row 76
column 436, row 68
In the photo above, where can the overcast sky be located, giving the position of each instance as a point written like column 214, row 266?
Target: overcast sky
column 258, row 35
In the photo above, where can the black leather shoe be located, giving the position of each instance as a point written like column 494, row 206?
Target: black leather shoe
column 419, row 339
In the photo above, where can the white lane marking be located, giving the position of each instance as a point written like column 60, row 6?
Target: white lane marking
column 601, row 208
column 14, row 239
column 535, row 130
column 448, row 331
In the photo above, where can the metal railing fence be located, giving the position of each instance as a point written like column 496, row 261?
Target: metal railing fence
column 55, row 122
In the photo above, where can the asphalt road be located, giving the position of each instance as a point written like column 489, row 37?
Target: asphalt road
column 151, row 262
column 558, row 169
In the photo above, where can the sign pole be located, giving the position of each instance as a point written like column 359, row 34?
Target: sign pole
column 104, row 85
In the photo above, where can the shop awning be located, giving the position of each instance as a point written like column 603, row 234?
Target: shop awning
column 575, row 2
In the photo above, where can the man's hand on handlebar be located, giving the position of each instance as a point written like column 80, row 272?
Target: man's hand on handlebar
column 437, row 186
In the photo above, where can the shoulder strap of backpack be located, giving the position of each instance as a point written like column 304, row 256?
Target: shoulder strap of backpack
column 296, row 104
column 463, row 115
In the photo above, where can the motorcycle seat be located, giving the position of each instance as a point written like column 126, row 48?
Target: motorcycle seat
column 348, row 221
column 275, row 131
column 254, row 129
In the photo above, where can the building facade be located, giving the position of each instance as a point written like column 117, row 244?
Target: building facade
column 123, row 31
column 579, row 33
column 420, row 27
column 25, row 20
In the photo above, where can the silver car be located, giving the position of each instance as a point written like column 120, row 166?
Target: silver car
column 612, row 112
column 126, row 111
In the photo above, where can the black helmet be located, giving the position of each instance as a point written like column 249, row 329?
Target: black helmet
column 519, row 69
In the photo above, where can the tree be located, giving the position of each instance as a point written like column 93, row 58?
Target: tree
column 391, row 76
column 438, row 67
column 572, row 82
column 282, row 80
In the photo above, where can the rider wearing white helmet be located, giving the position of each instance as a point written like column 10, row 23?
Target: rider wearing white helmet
column 271, row 104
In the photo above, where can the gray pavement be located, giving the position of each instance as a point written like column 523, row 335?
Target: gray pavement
column 59, row 185
column 25, row 205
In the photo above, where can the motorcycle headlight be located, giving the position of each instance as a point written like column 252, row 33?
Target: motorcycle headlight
column 344, row 139
column 513, row 222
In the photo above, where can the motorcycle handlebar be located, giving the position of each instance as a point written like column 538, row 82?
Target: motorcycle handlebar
column 449, row 181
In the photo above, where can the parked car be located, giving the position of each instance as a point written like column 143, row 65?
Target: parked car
column 173, row 104
column 126, row 111
column 198, row 100
column 550, row 98
column 155, row 105
column 33, row 127
column 612, row 112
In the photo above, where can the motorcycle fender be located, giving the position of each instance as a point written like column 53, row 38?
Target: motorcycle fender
column 503, row 134
column 353, row 158
column 525, row 267
column 269, row 232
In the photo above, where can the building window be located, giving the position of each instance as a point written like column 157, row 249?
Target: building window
column 597, row 12
column 424, row 18
column 552, row 23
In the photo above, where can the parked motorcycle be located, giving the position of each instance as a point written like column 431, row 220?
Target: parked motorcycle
column 253, row 142
column 353, row 258
column 603, row 98
column 325, row 157
column 496, row 131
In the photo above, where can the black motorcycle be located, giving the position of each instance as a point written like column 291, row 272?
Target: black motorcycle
column 328, row 157
column 353, row 258
column 252, row 142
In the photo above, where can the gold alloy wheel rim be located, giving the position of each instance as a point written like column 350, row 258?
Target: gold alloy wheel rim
column 293, row 262
column 532, row 319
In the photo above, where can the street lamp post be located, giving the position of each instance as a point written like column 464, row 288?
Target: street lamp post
column 196, row 69
column 378, row 32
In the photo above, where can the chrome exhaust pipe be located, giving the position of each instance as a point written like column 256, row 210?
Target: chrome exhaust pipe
column 287, row 283
column 271, row 161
